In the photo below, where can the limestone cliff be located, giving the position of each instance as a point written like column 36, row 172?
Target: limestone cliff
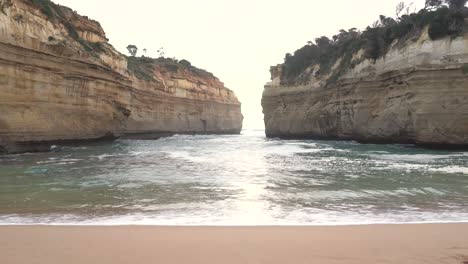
column 416, row 93
column 60, row 80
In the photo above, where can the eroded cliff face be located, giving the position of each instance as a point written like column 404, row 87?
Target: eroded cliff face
column 61, row 81
column 417, row 93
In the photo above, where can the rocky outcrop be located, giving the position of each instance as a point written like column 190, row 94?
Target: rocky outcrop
column 60, row 81
column 416, row 93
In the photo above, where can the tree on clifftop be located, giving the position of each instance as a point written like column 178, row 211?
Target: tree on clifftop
column 185, row 63
column 453, row 4
column 457, row 4
column 457, row 17
column 433, row 4
column 132, row 49
column 161, row 52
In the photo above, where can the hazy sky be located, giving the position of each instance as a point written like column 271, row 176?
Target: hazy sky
column 237, row 40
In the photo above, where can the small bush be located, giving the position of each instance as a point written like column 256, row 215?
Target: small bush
column 47, row 7
column 97, row 46
column 185, row 63
column 142, row 68
column 171, row 67
column 18, row 18
column 439, row 24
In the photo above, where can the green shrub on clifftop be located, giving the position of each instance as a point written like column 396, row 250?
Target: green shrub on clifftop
column 143, row 67
column 47, row 7
column 375, row 40
column 55, row 14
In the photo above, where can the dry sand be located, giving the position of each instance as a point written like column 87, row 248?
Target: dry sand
column 431, row 243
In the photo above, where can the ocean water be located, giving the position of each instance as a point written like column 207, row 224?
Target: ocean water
column 242, row 179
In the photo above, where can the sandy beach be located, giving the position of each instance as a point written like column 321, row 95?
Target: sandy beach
column 423, row 243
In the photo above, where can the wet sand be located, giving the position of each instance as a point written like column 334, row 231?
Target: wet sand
column 423, row 243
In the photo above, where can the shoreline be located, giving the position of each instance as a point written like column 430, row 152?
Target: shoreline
column 399, row 243
column 230, row 226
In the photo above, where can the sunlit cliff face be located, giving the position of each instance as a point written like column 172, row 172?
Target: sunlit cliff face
column 62, row 81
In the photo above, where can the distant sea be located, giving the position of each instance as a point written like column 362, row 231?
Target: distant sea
column 242, row 179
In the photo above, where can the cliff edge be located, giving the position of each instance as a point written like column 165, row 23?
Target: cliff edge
column 61, row 81
column 414, row 91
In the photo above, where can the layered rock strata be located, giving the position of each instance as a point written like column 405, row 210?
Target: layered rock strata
column 417, row 93
column 60, row 81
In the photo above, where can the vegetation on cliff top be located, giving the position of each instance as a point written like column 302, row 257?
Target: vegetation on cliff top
column 442, row 17
column 143, row 67
column 55, row 13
